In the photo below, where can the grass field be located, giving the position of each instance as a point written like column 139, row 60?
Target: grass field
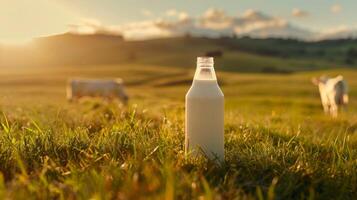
column 278, row 143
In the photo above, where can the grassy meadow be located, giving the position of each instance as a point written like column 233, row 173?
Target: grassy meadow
column 278, row 142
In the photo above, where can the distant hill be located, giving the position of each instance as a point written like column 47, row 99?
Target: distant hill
column 238, row 54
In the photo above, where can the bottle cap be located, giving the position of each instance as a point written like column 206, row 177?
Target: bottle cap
column 205, row 60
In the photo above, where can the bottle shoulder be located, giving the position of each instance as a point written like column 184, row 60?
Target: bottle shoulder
column 204, row 90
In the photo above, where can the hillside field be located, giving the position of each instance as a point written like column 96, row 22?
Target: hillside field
column 278, row 142
column 237, row 54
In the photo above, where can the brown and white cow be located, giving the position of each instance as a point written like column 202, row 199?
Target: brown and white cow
column 333, row 92
column 104, row 88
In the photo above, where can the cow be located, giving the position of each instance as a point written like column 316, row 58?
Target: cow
column 105, row 88
column 216, row 54
column 333, row 93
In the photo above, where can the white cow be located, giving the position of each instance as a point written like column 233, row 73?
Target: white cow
column 333, row 92
column 106, row 88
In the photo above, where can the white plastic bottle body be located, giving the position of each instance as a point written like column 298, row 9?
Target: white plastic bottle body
column 205, row 120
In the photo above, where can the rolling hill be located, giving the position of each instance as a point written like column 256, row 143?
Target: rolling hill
column 239, row 54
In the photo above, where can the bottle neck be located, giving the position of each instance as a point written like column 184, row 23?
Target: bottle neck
column 205, row 72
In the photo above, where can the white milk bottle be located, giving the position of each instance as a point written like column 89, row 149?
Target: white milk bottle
column 204, row 122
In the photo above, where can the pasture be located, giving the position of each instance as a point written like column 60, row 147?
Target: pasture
column 278, row 142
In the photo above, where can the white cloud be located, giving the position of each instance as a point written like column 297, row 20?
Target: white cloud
column 147, row 13
column 249, row 27
column 144, row 30
column 336, row 8
column 181, row 15
column 171, row 12
column 216, row 19
column 253, row 15
column 257, row 22
column 341, row 28
column 93, row 26
column 296, row 12
column 212, row 23
column 338, row 32
column 157, row 28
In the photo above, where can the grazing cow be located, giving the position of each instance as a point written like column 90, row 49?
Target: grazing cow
column 106, row 88
column 333, row 92
column 216, row 54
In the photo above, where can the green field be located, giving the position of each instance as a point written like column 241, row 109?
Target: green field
column 238, row 54
column 278, row 142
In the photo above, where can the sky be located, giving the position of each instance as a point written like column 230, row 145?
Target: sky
column 21, row 20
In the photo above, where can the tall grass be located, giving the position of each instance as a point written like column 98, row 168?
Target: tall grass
column 278, row 143
column 97, row 150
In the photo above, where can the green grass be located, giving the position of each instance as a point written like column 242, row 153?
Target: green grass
column 239, row 55
column 278, row 143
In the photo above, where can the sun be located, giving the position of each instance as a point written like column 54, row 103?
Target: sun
column 21, row 21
